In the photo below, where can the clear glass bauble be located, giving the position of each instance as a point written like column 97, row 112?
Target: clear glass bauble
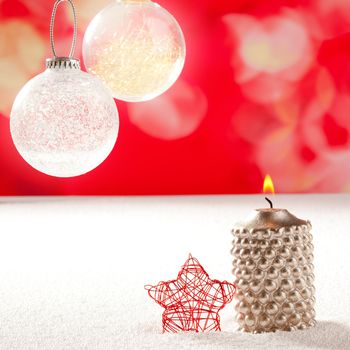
column 64, row 122
column 136, row 47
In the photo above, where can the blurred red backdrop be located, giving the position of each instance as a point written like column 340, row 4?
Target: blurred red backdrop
column 265, row 89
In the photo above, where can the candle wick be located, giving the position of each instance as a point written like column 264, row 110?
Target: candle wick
column 271, row 205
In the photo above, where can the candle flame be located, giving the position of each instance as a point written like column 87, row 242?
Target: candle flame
column 268, row 185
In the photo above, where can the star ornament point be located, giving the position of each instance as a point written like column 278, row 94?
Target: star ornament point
column 192, row 301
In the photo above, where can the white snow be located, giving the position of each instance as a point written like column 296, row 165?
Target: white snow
column 72, row 270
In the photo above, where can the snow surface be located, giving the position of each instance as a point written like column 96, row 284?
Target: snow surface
column 72, row 270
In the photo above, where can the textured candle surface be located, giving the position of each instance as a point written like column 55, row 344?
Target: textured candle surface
column 273, row 267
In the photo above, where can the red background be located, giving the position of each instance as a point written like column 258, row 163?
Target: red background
column 265, row 89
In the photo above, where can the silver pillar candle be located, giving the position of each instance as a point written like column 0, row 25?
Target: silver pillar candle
column 273, row 267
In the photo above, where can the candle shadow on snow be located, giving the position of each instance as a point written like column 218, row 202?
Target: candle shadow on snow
column 327, row 335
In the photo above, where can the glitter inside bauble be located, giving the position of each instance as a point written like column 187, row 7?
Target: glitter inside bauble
column 136, row 47
column 64, row 122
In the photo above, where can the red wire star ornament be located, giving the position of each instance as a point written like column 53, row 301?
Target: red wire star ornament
column 192, row 301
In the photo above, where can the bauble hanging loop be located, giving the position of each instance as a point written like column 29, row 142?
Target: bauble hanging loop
column 56, row 61
column 64, row 122
column 52, row 27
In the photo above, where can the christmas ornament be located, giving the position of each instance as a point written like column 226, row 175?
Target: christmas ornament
column 64, row 122
column 192, row 301
column 136, row 47
column 273, row 257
